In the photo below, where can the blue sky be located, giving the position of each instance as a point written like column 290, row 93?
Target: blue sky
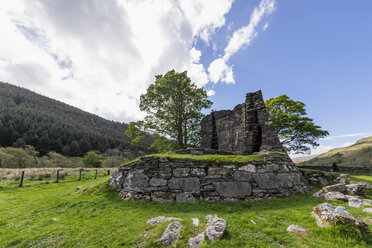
column 101, row 55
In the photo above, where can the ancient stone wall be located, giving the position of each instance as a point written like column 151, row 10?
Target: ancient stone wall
column 244, row 130
column 186, row 180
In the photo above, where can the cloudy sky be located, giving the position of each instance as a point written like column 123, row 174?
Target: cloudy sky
column 100, row 56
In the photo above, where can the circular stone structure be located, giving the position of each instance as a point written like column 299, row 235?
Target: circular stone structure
column 187, row 178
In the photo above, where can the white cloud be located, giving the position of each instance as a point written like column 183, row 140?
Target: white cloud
column 265, row 26
column 347, row 136
column 101, row 55
column 211, row 92
column 219, row 70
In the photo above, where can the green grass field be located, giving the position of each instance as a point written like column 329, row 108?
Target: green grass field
column 95, row 216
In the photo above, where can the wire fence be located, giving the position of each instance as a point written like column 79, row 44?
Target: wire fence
column 32, row 176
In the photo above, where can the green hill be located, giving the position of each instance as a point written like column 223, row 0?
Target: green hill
column 358, row 154
column 50, row 125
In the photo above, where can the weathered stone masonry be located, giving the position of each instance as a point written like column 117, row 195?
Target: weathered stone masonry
column 244, row 130
column 183, row 180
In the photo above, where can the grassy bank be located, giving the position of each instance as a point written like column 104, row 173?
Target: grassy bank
column 219, row 159
column 58, row 215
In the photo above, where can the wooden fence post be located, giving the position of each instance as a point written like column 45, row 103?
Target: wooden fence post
column 22, row 177
column 57, row 176
column 108, row 172
column 96, row 174
column 80, row 174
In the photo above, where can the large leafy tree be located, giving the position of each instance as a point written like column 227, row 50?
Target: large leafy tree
column 173, row 105
column 296, row 131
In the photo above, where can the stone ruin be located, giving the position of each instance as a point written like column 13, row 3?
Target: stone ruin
column 245, row 130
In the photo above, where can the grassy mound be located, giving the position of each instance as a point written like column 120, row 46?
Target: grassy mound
column 219, row 159
column 58, row 215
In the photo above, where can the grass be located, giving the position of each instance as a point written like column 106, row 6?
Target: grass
column 220, row 159
column 96, row 217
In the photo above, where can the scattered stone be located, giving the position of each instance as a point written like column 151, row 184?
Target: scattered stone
column 216, row 227
column 55, row 219
column 368, row 210
column 335, row 196
column 196, row 241
column 171, row 233
column 358, row 203
column 327, row 214
column 295, row 228
column 334, row 188
column 318, row 193
column 344, row 175
column 78, row 188
column 161, row 219
column 355, row 188
column 195, row 221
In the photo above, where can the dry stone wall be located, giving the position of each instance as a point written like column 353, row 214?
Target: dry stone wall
column 187, row 180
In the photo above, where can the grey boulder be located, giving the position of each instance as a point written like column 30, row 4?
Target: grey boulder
column 216, row 227
column 195, row 242
column 171, row 233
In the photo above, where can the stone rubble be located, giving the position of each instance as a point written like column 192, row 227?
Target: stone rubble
column 358, row 203
column 368, row 210
column 327, row 214
column 160, row 219
column 317, row 177
column 195, row 242
column 216, row 227
column 295, row 228
column 334, row 188
column 335, row 196
column 318, row 193
column 171, row 233
column 195, row 221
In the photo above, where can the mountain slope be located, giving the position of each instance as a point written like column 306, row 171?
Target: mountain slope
column 47, row 124
column 358, row 154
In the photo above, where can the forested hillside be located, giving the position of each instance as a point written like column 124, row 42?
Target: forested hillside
column 50, row 125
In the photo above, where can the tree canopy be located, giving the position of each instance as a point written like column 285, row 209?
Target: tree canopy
column 173, row 105
column 296, row 131
column 92, row 159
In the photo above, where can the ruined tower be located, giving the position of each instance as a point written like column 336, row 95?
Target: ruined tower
column 244, row 130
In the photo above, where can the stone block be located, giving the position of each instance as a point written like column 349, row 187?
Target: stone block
column 156, row 182
column 185, row 184
column 185, row 197
column 233, row 189
column 248, row 168
column 266, row 181
column 181, row 172
column 197, row 172
column 285, row 180
column 163, row 196
column 136, row 181
column 242, row 176
column 218, row 171
column 165, row 172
